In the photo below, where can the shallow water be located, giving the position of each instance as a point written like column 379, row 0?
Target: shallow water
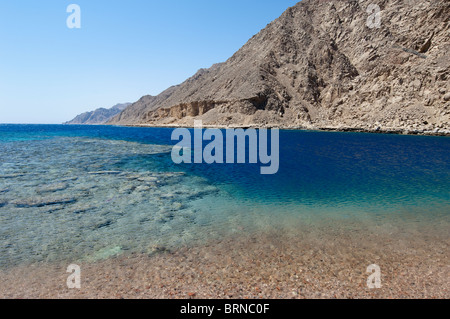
column 75, row 193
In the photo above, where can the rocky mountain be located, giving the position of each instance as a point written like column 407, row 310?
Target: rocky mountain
column 99, row 116
column 324, row 64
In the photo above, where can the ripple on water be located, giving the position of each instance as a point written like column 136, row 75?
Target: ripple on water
column 81, row 199
column 75, row 203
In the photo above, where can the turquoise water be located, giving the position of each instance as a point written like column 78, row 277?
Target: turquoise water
column 70, row 193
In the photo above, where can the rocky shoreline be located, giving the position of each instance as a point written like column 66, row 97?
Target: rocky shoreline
column 320, row 67
column 394, row 131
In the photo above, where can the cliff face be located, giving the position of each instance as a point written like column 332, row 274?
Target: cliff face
column 320, row 66
column 99, row 116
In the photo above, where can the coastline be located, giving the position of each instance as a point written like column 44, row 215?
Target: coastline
column 392, row 131
column 137, row 232
column 309, row 164
column 314, row 263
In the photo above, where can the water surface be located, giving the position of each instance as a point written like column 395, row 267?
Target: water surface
column 87, row 193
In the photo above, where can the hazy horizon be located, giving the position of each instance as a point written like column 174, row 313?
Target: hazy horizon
column 123, row 51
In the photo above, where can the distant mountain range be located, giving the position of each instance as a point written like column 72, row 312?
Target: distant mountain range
column 99, row 116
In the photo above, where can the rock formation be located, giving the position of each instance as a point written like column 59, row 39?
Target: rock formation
column 320, row 66
column 99, row 116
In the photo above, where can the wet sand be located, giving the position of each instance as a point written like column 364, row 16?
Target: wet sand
column 326, row 261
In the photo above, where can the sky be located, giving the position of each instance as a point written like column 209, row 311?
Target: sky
column 124, row 50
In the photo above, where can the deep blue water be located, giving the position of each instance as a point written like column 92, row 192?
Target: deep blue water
column 324, row 167
column 329, row 172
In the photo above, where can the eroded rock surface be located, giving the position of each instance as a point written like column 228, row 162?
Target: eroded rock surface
column 320, row 66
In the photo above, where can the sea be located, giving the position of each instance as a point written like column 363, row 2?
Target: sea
column 90, row 193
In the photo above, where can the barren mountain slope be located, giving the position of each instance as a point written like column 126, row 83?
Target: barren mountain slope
column 320, row 66
column 99, row 116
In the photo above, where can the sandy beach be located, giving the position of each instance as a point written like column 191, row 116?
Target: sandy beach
column 324, row 262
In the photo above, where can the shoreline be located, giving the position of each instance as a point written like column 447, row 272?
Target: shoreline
column 390, row 131
column 142, row 234
column 253, row 266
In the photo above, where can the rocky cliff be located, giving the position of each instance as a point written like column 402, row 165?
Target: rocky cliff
column 99, row 116
column 322, row 65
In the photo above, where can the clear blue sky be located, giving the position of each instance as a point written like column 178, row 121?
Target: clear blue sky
column 124, row 50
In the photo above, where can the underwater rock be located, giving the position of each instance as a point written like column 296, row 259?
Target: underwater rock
column 149, row 179
column 142, row 189
column 157, row 249
column 144, row 220
column 107, row 253
column 11, row 176
column 208, row 190
column 43, row 201
column 82, row 209
column 54, row 208
column 177, row 206
column 52, row 188
column 133, row 176
column 166, row 217
column 105, row 173
column 128, row 189
column 103, row 224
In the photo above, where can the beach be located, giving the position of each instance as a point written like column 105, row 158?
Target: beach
column 111, row 201
column 327, row 262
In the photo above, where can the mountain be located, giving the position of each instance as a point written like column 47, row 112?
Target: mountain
column 320, row 66
column 99, row 116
